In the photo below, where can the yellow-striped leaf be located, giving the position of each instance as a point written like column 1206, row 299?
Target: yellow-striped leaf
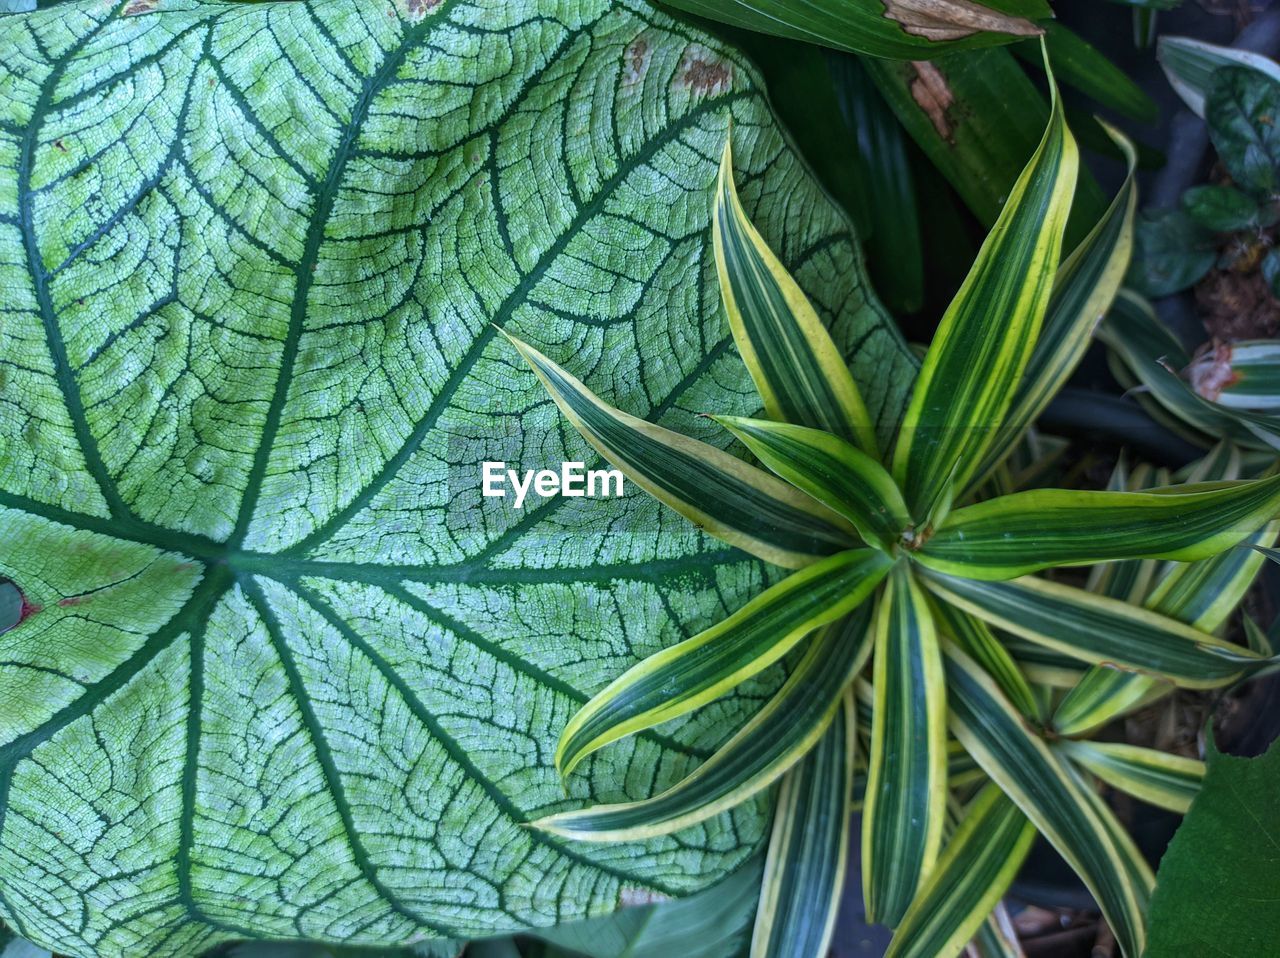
column 1046, row 528
column 1047, row 792
column 973, row 636
column 797, row 369
column 808, row 850
column 1100, row 630
column 777, row 737
column 970, row 374
column 1087, row 282
column 1168, row 781
column 733, row 501
column 906, row 795
column 692, row 673
column 831, row 470
column 975, row 869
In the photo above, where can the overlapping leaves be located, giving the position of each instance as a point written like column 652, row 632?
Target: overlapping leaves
column 947, row 568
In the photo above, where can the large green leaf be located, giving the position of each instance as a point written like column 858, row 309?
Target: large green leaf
column 282, row 671
column 1220, row 878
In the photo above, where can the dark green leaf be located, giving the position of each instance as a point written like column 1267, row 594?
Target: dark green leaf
column 1078, row 64
column 1221, row 208
column 1171, row 252
column 1219, row 882
column 1242, row 110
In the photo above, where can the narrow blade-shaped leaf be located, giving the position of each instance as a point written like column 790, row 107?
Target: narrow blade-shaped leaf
column 1168, row 781
column 692, row 673
column 1045, row 528
column 1099, row 630
column 1086, row 283
column 866, row 26
column 808, row 850
column 907, row 768
column 973, row 636
column 1241, row 375
column 1153, row 355
column 1080, row 65
column 777, row 737
column 975, row 869
column 969, row 375
column 797, row 369
column 733, row 501
column 1047, row 793
column 831, row 470
column 1102, row 694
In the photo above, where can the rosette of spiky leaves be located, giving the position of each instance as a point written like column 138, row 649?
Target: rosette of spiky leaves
column 897, row 564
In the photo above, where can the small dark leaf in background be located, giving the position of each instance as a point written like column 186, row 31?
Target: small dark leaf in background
column 1218, row 890
column 1222, row 209
column 1243, row 110
column 1271, row 271
column 1171, row 252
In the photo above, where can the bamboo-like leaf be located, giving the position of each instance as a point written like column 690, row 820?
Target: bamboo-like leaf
column 733, row 501
column 1167, row 781
column 1099, row 630
column 1272, row 554
column 808, row 850
column 1154, row 355
column 1047, row 793
column 1258, row 640
column 1200, row 594
column 831, row 470
column 1084, row 288
column 692, row 673
column 1045, row 528
column 777, row 737
column 797, row 369
column 974, row 637
column 1240, row 375
column 906, row 795
column 982, row 346
column 975, row 869
column 1080, row 65
column 901, row 29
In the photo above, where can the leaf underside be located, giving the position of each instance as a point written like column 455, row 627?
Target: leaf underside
column 282, row 672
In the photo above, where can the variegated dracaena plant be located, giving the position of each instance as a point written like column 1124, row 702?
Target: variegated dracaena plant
column 902, row 560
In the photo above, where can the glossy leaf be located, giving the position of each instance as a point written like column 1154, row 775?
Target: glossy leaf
column 1045, row 528
column 905, row 30
column 978, row 355
column 1084, row 287
column 688, row 675
column 1047, row 793
column 1190, row 64
column 1221, row 208
column 1099, row 630
column 718, row 492
column 808, row 850
column 1241, row 108
column 307, row 679
column 977, row 866
column 797, row 369
column 1172, row 252
column 905, row 805
column 975, row 639
column 840, row 476
column 1080, row 65
column 777, row 737
column 1167, row 781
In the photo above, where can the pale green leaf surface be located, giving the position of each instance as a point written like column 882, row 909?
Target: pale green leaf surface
column 290, row 675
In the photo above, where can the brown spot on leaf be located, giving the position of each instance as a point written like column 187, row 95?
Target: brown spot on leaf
column 415, row 10
column 136, row 8
column 940, row 20
column 1210, row 372
column 59, row 145
column 702, row 74
column 72, row 601
column 933, row 94
column 636, row 60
